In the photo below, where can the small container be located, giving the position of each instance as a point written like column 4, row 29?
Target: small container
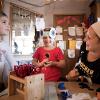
column 61, row 86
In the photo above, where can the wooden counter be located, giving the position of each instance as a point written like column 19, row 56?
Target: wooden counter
column 51, row 93
column 75, row 88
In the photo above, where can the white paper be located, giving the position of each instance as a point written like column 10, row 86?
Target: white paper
column 79, row 31
column 78, row 44
column 58, row 29
column 40, row 23
column 71, row 53
column 59, row 37
column 71, row 31
column 62, row 45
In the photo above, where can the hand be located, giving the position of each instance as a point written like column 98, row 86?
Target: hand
column 72, row 74
column 48, row 63
column 43, row 62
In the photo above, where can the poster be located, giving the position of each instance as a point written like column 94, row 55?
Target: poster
column 71, row 53
column 62, row 45
column 59, row 29
column 79, row 31
column 71, row 31
column 72, row 44
column 78, row 43
column 59, row 37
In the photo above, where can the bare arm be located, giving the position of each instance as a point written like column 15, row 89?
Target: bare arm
column 72, row 75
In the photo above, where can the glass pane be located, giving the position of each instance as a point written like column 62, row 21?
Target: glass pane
column 23, row 31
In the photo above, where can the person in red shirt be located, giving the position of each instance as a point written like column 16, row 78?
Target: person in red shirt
column 50, row 59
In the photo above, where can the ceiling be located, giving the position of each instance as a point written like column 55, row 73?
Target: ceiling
column 42, row 3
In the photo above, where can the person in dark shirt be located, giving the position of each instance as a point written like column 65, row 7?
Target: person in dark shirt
column 89, row 62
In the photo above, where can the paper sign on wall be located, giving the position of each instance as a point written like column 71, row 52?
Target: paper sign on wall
column 78, row 43
column 71, row 31
column 62, row 45
column 71, row 53
column 59, row 37
column 59, row 29
column 79, row 31
column 72, row 44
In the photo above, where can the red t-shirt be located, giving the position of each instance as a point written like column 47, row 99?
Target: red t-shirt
column 51, row 73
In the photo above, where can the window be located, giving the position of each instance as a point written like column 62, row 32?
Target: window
column 23, row 31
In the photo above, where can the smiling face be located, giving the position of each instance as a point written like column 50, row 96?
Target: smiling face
column 4, row 25
column 92, row 41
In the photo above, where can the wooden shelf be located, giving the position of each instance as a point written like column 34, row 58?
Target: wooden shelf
column 31, row 87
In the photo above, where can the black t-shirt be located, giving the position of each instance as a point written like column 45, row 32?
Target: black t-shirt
column 90, row 69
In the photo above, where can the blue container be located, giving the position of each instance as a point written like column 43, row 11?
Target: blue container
column 61, row 86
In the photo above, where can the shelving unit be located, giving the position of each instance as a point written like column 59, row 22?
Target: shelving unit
column 31, row 87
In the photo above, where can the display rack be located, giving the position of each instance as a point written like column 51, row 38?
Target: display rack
column 31, row 87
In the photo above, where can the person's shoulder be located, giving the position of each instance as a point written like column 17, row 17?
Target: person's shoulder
column 39, row 48
column 57, row 48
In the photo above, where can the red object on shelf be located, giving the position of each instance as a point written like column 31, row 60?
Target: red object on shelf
column 26, row 70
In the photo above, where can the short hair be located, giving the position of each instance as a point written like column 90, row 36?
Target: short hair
column 2, row 14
